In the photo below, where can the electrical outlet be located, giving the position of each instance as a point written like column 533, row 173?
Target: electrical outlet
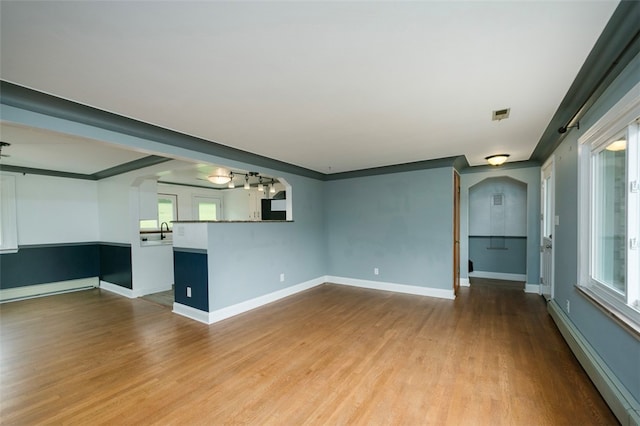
column 188, row 291
column 281, row 278
column 568, row 307
column 376, row 271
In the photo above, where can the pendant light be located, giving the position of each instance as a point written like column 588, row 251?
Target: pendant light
column 246, row 182
column 260, row 185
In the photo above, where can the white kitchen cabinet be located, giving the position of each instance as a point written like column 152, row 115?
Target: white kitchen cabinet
column 243, row 204
column 255, row 204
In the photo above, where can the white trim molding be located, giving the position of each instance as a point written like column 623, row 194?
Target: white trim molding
column 191, row 313
column 397, row 288
column 247, row 305
column 498, row 276
column 532, row 288
column 464, row 282
column 114, row 288
column 39, row 290
column 622, row 403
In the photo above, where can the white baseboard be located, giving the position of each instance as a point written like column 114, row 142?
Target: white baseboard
column 464, row 282
column 398, row 288
column 114, row 288
column 239, row 308
column 498, row 276
column 191, row 313
column 38, row 290
column 622, row 403
column 532, row 288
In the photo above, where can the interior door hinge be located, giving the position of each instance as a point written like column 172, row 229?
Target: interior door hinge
column 633, row 243
column 633, row 186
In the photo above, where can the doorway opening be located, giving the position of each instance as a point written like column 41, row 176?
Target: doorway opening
column 498, row 231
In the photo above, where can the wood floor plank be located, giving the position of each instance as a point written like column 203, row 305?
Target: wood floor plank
column 331, row 355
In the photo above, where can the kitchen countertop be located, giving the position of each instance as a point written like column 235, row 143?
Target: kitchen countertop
column 231, row 221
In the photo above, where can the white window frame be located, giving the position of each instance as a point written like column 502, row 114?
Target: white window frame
column 8, row 215
column 623, row 117
column 196, row 199
column 174, row 197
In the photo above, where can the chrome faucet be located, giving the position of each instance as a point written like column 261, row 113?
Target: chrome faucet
column 162, row 236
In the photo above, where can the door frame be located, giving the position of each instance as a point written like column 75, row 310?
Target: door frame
column 456, row 232
column 548, row 169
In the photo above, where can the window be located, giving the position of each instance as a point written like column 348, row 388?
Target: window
column 167, row 212
column 609, row 202
column 8, row 218
column 207, row 208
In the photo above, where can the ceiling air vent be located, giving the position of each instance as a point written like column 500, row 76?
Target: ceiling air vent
column 501, row 114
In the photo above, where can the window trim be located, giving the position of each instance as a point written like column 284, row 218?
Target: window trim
column 620, row 118
column 174, row 197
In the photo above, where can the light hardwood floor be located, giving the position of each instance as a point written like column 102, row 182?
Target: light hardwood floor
column 330, row 355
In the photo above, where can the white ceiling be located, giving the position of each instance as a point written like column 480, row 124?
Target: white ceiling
column 330, row 86
column 44, row 149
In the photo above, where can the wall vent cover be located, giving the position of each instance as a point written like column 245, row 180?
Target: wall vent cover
column 500, row 114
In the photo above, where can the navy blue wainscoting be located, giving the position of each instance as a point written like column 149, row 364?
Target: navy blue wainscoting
column 190, row 270
column 115, row 264
column 48, row 263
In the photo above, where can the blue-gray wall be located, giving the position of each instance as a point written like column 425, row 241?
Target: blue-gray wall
column 510, row 259
column 619, row 349
column 401, row 223
column 251, row 256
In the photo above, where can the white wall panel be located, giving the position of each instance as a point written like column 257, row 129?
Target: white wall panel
column 56, row 210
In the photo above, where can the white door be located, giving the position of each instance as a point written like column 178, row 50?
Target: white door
column 207, row 208
column 547, row 225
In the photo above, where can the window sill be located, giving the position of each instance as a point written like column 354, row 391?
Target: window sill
column 612, row 311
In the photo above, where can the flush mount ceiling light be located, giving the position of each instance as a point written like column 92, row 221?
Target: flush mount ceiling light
column 619, row 145
column 219, row 176
column 497, row 159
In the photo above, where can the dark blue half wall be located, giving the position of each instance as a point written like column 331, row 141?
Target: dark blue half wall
column 191, row 270
column 115, row 264
column 49, row 263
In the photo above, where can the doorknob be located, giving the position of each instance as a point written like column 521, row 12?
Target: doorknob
column 548, row 246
